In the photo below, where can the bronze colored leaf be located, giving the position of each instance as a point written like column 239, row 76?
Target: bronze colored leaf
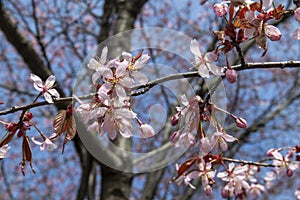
column 186, row 166
column 71, row 129
column 26, row 155
column 59, row 122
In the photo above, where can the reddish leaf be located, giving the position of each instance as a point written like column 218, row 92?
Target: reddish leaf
column 26, row 155
column 186, row 166
column 9, row 134
column 71, row 129
column 59, row 122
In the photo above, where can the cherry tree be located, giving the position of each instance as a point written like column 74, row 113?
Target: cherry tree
column 195, row 145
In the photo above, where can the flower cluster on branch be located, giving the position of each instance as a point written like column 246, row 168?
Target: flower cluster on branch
column 108, row 111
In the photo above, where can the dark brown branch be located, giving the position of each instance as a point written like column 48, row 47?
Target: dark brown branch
column 245, row 162
column 141, row 89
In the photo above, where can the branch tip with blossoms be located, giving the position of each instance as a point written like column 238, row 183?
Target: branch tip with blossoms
column 112, row 114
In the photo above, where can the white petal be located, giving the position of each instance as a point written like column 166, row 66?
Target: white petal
column 104, row 55
column 93, row 64
column 195, row 48
column 218, row 71
column 50, row 81
column 48, row 97
column 203, row 71
column 127, row 82
column 184, row 100
column 38, row 86
column 121, row 93
column 123, row 112
column 95, row 77
column 36, row 142
column 140, row 77
column 3, row 150
column 211, row 56
column 267, row 4
column 35, row 78
column 54, row 93
column 127, row 56
column 121, row 69
column 107, row 73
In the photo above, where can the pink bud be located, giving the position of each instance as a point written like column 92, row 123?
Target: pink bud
column 174, row 119
column 272, row 32
column 225, row 193
column 220, row 9
column 28, row 116
column 231, row 75
column 270, row 152
column 297, row 14
column 240, row 122
column 289, row 172
column 146, row 131
column 174, row 137
column 11, row 127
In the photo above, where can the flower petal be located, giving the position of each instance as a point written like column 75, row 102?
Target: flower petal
column 48, row 97
column 195, row 48
column 54, row 93
column 50, row 81
column 104, row 55
column 140, row 77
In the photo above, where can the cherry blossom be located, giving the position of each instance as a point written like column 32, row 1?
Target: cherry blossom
column 256, row 190
column 220, row 9
column 183, row 178
column 134, row 64
column 284, row 163
column 46, row 143
column 205, row 62
column 146, row 131
column 220, row 139
column 4, row 150
column 235, row 176
column 45, row 88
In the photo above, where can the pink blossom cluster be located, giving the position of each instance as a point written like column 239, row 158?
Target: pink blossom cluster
column 194, row 113
column 110, row 110
column 247, row 20
column 242, row 179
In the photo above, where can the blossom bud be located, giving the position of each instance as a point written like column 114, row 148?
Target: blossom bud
column 272, row 32
column 174, row 137
column 174, row 119
column 231, row 75
column 208, row 190
column 289, row 172
column 27, row 116
column 146, row 131
column 270, row 152
column 11, row 127
column 297, row 14
column 220, row 9
column 225, row 193
column 240, row 122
